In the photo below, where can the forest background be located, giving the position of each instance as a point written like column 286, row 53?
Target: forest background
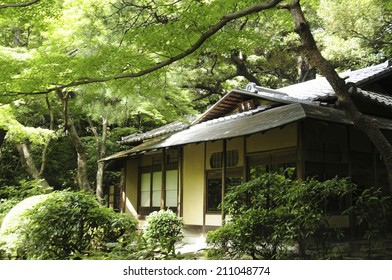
column 78, row 75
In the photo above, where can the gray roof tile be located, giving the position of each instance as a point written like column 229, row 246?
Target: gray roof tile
column 319, row 88
column 169, row 128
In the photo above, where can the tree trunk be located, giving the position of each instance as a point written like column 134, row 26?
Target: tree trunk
column 101, row 164
column 304, row 70
column 341, row 89
column 82, row 177
column 2, row 136
column 28, row 162
column 47, row 142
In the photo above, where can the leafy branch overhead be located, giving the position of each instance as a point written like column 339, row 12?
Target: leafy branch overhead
column 18, row 5
column 128, row 41
column 193, row 48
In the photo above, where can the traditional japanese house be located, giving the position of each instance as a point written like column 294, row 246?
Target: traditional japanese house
column 188, row 167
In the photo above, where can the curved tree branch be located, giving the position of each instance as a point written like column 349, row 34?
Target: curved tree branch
column 202, row 39
column 18, row 5
column 341, row 89
column 242, row 69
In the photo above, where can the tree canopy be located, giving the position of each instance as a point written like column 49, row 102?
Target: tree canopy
column 101, row 66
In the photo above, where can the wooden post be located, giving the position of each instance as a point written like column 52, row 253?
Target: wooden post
column 163, row 185
column 224, row 172
column 180, row 189
column 245, row 161
column 205, row 187
column 300, row 151
column 122, row 189
column 351, row 218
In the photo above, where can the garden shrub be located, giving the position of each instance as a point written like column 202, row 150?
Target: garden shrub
column 66, row 225
column 372, row 209
column 163, row 230
column 273, row 213
column 12, row 195
column 12, row 224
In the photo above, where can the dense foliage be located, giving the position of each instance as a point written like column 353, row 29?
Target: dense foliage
column 372, row 211
column 12, row 195
column 271, row 214
column 67, row 225
column 156, row 241
column 276, row 217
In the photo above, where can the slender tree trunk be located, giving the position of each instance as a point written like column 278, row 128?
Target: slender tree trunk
column 51, row 127
column 2, row 136
column 82, row 177
column 27, row 160
column 341, row 89
column 101, row 147
column 31, row 168
column 304, row 70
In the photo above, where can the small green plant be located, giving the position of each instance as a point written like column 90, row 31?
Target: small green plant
column 163, row 230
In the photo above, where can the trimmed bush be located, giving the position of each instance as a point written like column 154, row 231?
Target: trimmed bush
column 164, row 229
column 66, row 225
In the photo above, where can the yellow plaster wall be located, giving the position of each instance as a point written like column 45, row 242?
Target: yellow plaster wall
column 131, row 187
column 273, row 139
column 213, row 219
column 194, row 184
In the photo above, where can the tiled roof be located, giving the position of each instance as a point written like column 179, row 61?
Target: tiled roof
column 247, row 124
column 383, row 99
column 320, row 89
column 169, row 128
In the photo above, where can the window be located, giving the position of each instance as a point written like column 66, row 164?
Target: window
column 151, row 191
column 216, row 160
column 171, row 188
column 156, row 189
column 151, row 183
column 214, row 187
column 326, row 150
column 271, row 161
column 145, row 198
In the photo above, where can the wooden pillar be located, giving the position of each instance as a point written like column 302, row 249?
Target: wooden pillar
column 180, row 189
column 351, row 218
column 205, row 188
column 300, row 151
column 224, row 173
column 122, row 189
column 163, row 185
column 245, row 170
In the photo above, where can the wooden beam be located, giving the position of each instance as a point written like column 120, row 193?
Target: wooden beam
column 300, row 151
column 224, row 174
column 205, row 187
column 163, row 185
column 180, row 189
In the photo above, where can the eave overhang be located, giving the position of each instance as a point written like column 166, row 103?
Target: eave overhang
column 260, row 121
